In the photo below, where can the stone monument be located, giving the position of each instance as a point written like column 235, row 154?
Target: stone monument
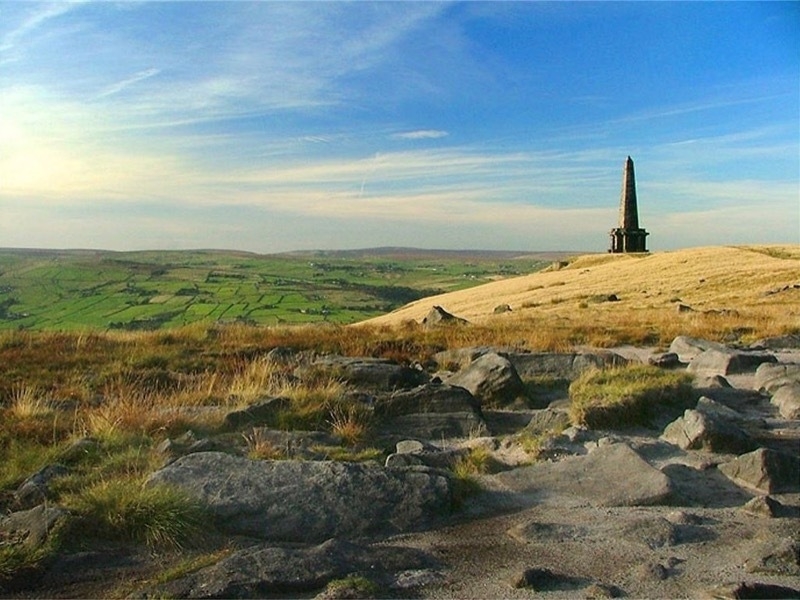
column 628, row 237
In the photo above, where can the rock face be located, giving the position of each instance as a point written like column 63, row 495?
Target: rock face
column 765, row 470
column 306, row 501
column 431, row 411
column 697, row 430
column 492, row 379
column 363, row 372
column 613, row 475
column 787, row 399
column 726, row 361
column 274, row 571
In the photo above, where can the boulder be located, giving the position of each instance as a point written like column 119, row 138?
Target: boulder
column 362, row 372
column 698, row 430
column 492, row 379
column 611, row 475
column 438, row 317
column 558, row 365
column 547, row 420
column 434, row 426
column 726, row 361
column 665, row 360
column 770, row 377
column 687, row 348
column 274, row 571
column 766, row 470
column 775, row 556
column 309, row 501
column 787, row 399
column 427, row 398
column 31, row 528
column 34, row 489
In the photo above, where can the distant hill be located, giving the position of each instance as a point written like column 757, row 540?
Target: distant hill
column 701, row 279
column 98, row 289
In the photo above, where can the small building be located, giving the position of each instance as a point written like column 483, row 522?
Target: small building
column 628, row 237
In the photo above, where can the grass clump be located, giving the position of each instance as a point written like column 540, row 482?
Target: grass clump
column 124, row 510
column 626, row 396
column 352, row 586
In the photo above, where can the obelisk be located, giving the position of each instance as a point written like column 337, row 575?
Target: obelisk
column 628, row 237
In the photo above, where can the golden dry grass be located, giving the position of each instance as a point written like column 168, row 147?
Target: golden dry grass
column 741, row 291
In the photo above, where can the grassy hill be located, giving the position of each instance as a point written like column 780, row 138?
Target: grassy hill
column 723, row 291
column 96, row 290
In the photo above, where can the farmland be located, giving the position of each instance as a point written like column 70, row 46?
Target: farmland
column 99, row 290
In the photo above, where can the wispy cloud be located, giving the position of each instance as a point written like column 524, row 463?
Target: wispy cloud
column 421, row 134
column 121, row 85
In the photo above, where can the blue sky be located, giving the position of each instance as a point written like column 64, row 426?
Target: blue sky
column 269, row 126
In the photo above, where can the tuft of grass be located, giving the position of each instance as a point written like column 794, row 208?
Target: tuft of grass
column 352, row 586
column 476, row 462
column 124, row 510
column 260, row 448
column 351, row 423
column 626, row 396
column 27, row 402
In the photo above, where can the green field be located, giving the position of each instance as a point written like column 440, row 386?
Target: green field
column 98, row 290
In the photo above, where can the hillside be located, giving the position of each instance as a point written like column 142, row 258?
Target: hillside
column 751, row 282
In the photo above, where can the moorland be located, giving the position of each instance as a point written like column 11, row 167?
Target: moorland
column 93, row 418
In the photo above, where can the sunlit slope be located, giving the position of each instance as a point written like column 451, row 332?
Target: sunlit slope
column 705, row 279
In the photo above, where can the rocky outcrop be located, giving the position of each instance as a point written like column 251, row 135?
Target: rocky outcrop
column 492, row 379
column 699, row 430
column 432, row 411
column 726, row 361
column 279, row 571
column 362, row 372
column 308, row 501
column 612, row 475
column 766, row 470
column 438, row 316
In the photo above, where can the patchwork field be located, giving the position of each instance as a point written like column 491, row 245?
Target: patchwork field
column 97, row 290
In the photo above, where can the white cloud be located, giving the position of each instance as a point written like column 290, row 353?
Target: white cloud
column 421, row 134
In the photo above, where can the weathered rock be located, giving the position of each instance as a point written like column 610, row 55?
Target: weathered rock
column 780, row 342
column 612, row 475
column 438, row 317
column 274, row 571
column 492, row 379
column 363, row 372
column 264, row 412
column 766, row 470
column 751, row 590
column 770, row 377
column 717, row 409
column 31, row 527
column 655, row 532
column 727, row 361
column 787, row 399
column 765, row 506
column 687, row 347
column 540, row 580
column 433, row 426
column 778, row 557
column 697, row 430
column 427, row 398
column 561, row 365
column 34, row 489
column 309, row 501
column 666, row 360
column 501, row 308
column 547, row 420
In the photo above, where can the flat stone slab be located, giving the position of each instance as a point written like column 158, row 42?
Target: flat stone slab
column 310, row 501
column 613, row 475
column 282, row 572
